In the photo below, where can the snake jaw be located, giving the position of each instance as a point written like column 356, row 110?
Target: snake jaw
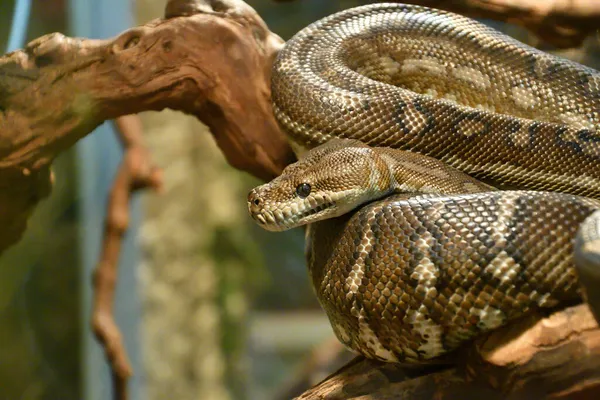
column 291, row 215
column 283, row 215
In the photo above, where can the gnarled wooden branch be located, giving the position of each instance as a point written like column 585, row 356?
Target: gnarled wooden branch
column 561, row 23
column 209, row 58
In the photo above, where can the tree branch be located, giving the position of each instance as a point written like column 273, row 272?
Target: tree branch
column 211, row 59
column 561, row 23
column 135, row 173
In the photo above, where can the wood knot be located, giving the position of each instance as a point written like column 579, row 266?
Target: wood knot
column 128, row 41
column 48, row 49
column 133, row 41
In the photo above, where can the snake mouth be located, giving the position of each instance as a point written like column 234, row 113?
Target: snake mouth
column 291, row 217
column 316, row 210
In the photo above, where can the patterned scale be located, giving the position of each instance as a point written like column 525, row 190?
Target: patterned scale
column 468, row 95
column 411, row 248
column 428, row 273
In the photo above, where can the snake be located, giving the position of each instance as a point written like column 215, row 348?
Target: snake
column 448, row 177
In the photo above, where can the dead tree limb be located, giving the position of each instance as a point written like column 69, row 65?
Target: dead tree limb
column 561, row 23
column 135, row 172
column 211, row 59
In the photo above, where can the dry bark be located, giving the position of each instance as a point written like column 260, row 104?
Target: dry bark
column 212, row 59
column 561, row 23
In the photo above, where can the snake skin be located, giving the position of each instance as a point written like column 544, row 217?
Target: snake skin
column 411, row 276
column 407, row 280
column 446, row 86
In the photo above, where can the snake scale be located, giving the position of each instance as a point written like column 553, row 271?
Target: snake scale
column 444, row 172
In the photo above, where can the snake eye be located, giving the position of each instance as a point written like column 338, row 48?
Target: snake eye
column 303, row 190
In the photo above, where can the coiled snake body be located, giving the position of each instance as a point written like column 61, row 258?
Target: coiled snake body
column 441, row 256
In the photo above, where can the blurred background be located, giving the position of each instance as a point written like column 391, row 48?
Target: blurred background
column 210, row 305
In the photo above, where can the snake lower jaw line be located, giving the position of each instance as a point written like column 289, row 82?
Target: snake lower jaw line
column 288, row 218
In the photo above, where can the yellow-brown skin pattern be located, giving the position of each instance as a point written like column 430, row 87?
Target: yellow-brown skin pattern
column 436, row 83
column 412, row 276
column 410, row 279
column 343, row 174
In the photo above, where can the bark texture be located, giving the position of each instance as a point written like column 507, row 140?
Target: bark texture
column 211, row 59
column 561, row 23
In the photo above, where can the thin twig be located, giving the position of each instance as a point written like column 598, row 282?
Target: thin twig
column 135, row 172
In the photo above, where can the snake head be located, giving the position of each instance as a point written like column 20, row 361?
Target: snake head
column 326, row 182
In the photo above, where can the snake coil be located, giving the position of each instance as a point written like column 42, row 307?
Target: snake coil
column 438, row 111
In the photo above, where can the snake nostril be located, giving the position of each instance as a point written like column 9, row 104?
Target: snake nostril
column 256, row 202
